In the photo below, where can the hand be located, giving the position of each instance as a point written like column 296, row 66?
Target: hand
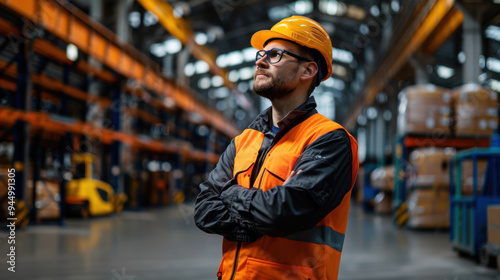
column 293, row 173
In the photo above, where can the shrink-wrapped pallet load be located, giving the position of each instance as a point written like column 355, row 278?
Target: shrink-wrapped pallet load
column 424, row 110
column 47, row 198
column 476, row 110
column 429, row 209
column 383, row 202
column 430, row 167
column 382, row 178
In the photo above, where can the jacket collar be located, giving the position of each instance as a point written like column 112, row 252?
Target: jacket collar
column 263, row 121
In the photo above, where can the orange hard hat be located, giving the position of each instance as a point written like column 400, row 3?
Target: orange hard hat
column 303, row 31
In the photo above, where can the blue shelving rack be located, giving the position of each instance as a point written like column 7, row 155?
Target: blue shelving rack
column 468, row 212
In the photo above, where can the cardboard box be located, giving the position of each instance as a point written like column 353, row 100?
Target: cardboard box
column 47, row 198
column 430, row 167
column 383, row 202
column 476, row 110
column 426, row 109
column 493, row 218
column 493, row 215
column 468, row 178
column 382, row 178
column 494, row 235
column 429, row 209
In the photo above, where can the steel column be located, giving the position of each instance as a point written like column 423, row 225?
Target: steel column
column 114, row 178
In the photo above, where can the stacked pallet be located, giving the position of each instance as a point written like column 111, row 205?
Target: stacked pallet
column 382, row 179
column 476, row 110
column 429, row 196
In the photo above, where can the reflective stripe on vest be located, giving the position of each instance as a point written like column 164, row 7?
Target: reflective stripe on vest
column 321, row 235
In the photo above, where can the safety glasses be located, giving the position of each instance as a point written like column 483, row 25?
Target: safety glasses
column 274, row 55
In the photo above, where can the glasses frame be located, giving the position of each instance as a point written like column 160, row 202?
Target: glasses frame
column 259, row 55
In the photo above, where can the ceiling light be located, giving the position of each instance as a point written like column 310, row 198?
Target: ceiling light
column 375, row 11
column 201, row 38
column 249, row 54
column 221, row 61
column 204, row 83
column 181, row 9
column 201, row 67
column 278, row 12
column 371, row 113
column 461, row 57
column 493, row 64
column 333, row 8
column 495, row 85
column 217, row 81
column 234, row 58
column 189, row 69
column 492, row 32
column 328, row 82
column 233, row 76
column 71, row 52
column 302, row 7
column 361, row 120
column 395, row 5
column 150, row 19
column 445, row 72
column 335, row 83
column 134, row 19
column 363, row 28
column 158, row 49
column 221, row 92
column 482, row 78
column 342, row 55
column 246, row 73
column 172, row 46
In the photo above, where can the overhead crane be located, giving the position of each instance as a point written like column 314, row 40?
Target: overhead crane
column 75, row 27
column 181, row 30
column 434, row 22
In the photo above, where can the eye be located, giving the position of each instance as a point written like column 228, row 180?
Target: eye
column 274, row 53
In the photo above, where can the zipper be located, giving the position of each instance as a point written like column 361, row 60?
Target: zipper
column 233, row 274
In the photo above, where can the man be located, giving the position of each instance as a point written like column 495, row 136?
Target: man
column 280, row 192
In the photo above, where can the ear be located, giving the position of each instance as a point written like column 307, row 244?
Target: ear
column 310, row 70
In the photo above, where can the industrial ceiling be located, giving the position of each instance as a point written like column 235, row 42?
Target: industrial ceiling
column 363, row 32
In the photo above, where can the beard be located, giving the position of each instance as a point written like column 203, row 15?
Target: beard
column 273, row 88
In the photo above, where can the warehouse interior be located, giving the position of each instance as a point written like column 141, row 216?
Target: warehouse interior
column 113, row 112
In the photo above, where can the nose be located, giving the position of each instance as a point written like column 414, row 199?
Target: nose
column 262, row 62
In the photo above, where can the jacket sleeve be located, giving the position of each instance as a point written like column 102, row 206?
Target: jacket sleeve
column 210, row 213
column 307, row 198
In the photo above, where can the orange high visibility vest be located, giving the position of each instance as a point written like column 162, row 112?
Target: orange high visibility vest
column 310, row 254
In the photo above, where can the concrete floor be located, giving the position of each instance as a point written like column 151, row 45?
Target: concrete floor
column 165, row 244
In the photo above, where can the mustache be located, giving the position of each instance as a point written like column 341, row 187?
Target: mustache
column 260, row 72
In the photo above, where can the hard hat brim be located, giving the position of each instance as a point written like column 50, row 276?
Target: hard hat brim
column 261, row 37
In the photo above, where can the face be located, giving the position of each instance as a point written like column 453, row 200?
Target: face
column 275, row 81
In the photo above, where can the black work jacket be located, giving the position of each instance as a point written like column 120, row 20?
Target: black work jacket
column 241, row 214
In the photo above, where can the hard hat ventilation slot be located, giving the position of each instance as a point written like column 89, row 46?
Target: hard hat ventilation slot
column 316, row 33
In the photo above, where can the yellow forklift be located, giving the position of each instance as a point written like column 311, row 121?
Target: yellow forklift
column 85, row 194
